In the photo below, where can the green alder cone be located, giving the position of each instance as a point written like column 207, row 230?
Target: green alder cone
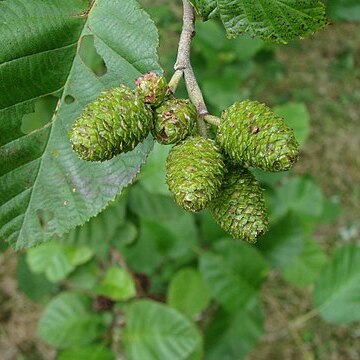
column 152, row 88
column 240, row 207
column 174, row 121
column 207, row 9
column 254, row 136
column 195, row 171
column 114, row 123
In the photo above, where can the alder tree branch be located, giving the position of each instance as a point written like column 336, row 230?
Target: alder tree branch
column 196, row 98
column 183, row 68
column 184, row 48
column 187, row 33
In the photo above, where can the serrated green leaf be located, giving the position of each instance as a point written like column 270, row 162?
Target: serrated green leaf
column 155, row 331
column 231, row 335
column 273, row 20
column 68, row 321
column 234, row 272
column 117, row 285
column 91, row 352
column 305, row 269
column 44, row 188
column 207, row 9
column 99, row 231
column 188, row 293
column 337, row 290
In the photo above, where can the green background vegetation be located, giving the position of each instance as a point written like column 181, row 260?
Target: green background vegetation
column 295, row 295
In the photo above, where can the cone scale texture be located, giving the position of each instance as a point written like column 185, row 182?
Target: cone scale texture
column 116, row 122
column 240, row 207
column 174, row 120
column 254, row 136
column 195, row 171
column 152, row 88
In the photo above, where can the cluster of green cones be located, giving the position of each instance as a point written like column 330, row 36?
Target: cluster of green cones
column 201, row 172
column 214, row 173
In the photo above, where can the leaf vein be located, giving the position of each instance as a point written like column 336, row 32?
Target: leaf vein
column 37, row 53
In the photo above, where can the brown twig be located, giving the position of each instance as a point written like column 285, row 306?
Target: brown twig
column 187, row 33
column 183, row 66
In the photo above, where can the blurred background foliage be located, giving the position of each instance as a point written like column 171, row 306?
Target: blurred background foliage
column 185, row 260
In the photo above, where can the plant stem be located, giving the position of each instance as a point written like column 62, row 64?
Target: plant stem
column 194, row 91
column 213, row 120
column 187, row 33
column 306, row 317
column 183, row 66
column 174, row 82
column 196, row 98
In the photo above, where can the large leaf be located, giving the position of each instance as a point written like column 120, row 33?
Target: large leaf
column 337, row 291
column 205, row 8
column 275, row 20
column 68, row 321
column 44, row 188
column 232, row 335
column 234, row 272
column 154, row 331
column 188, row 293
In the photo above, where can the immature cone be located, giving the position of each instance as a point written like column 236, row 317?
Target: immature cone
column 152, row 88
column 114, row 123
column 254, row 136
column 195, row 170
column 240, row 208
column 174, row 121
